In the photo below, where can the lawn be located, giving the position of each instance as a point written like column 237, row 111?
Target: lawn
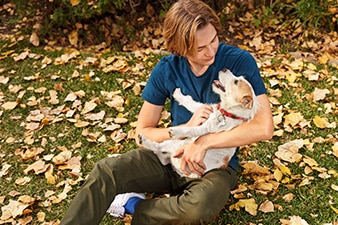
column 63, row 108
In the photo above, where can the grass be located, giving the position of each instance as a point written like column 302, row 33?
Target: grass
column 311, row 202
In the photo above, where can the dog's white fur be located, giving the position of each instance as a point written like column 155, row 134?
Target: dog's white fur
column 237, row 97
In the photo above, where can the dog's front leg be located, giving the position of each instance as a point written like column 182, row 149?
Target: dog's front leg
column 185, row 100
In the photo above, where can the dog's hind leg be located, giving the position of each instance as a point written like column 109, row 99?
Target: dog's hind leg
column 156, row 147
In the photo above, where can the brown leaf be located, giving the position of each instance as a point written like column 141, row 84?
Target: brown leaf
column 335, row 149
column 34, row 39
column 13, row 209
column 89, row 106
column 294, row 220
column 319, row 94
column 266, row 207
column 288, row 197
column 289, row 151
column 9, row 105
column 38, row 167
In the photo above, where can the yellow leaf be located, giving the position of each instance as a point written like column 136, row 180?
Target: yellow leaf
column 321, row 122
column 335, row 149
column 278, row 175
column 334, row 209
column 73, row 37
column 74, row 2
column 285, row 170
column 292, row 77
column 293, row 118
column 311, row 162
column 263, row 185
column 249, row 205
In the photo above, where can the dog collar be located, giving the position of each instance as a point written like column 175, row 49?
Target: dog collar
column 228, row 114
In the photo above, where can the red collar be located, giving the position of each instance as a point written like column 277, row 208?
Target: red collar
column 227, row 114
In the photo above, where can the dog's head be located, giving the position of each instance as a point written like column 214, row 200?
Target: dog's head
column 236, row 93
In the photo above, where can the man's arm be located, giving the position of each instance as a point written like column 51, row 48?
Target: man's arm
column 260, row 128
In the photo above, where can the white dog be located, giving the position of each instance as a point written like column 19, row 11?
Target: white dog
column 238, row 104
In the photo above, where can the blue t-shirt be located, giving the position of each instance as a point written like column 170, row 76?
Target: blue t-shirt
column 174, row 72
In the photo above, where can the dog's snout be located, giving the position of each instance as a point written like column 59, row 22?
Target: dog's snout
column 224, row 70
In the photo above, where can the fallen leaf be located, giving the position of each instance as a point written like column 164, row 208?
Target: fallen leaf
column 73, row 37
column 249, row 205
column 74, row 2
column 266, row 207
column 293, row 119
column 13, row 209
column 320, row 94
column 294, row 220
column 89, row 106
column 289, row 151
column 321, row 122
column 34, row 39
column 288, row 197
column 9, row 105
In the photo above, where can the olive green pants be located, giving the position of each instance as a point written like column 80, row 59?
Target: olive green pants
column 193, row 201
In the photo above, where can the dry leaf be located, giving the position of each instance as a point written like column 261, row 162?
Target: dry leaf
column 4, row 170
column 289, row 151
column 293, row 118
column 38, row 167
column 266, row 207
column 13, row 209
column 321, row 122
column 288, row 197
column 320, row 94
column 294, row 220
column 34, row 39
column 74, row 2
column 249, row 205
column 9, row 105
column 22, row 180
column 89, row 106
column 335, row 149
column 73, row 37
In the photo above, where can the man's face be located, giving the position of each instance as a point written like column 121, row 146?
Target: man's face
column 207, row 44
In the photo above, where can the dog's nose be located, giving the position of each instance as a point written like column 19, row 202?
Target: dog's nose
column 224, row 70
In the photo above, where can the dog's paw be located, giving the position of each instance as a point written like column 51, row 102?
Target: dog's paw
column 194, row 175
column 177, row 93
column 140, row 139
column 173, row 133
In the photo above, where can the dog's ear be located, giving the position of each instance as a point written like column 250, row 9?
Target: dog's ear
column 247, row 102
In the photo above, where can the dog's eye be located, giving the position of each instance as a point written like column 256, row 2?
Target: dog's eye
column 236, row 82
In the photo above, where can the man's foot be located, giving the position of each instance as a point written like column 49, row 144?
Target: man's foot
column 124, row 203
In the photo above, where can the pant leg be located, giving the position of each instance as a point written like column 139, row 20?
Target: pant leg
column 134, row 171
column 201, row 200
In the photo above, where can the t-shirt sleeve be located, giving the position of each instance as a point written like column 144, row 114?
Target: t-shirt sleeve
column 156, row 90
column 247, row 67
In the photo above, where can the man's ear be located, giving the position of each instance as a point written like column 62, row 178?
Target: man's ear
column 247, row 102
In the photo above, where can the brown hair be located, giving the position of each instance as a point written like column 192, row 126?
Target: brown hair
column 182, row 21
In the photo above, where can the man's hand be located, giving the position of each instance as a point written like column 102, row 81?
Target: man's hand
column 200, row 116
column 192, row 159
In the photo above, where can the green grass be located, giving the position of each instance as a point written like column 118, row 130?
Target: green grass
column 311, row 202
